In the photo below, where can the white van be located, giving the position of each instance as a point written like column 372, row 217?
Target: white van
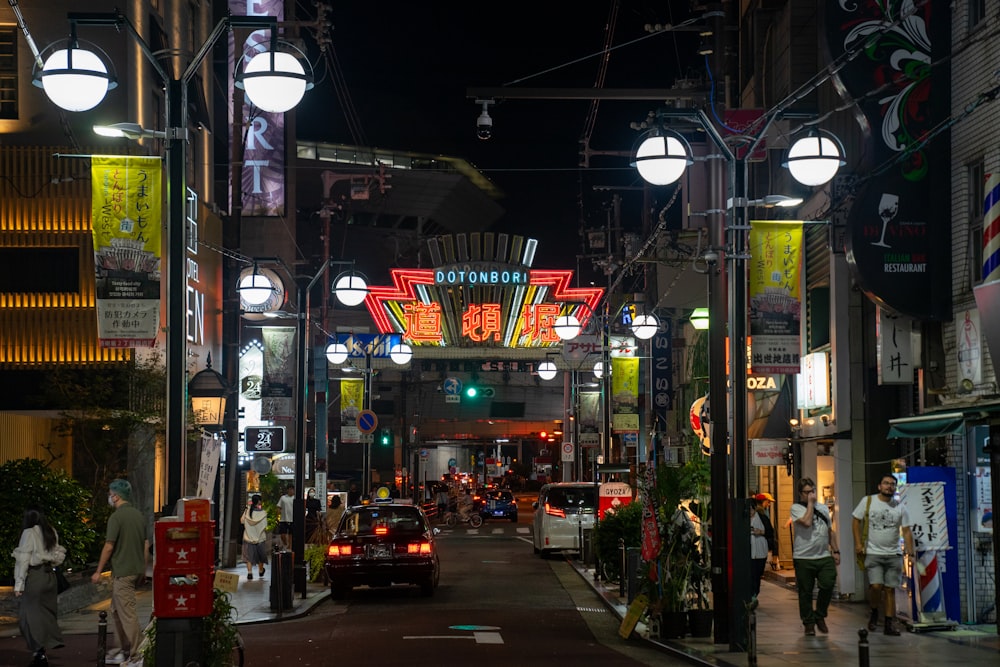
column 562, row 511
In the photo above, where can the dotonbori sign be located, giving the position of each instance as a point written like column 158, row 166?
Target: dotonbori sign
column 480, row 273
column 479, row 304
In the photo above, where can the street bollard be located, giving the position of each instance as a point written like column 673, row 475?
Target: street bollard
column 623, row 570
column 102, row 638
column 752, row 632
column 863, row 659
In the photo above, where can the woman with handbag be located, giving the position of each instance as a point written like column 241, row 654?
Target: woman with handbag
column 36, row 558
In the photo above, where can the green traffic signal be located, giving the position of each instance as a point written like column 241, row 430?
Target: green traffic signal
column 386, row 438
column 471, row 391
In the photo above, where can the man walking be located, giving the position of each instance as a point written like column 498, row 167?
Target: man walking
column 126, row 546
column 816, row 556
column 286, row 516
column 884, row 517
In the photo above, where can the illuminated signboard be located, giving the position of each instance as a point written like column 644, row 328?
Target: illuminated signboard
column 480, row 304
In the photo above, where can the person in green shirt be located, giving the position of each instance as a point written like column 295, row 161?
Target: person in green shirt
column 126, row 547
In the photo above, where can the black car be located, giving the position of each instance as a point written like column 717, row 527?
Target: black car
column 381, row 545
column 499, row 504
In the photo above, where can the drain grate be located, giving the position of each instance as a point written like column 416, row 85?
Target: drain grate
column 596, row 610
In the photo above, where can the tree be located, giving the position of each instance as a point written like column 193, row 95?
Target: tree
column 65, row 502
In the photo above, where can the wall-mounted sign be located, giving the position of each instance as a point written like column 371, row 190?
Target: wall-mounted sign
column 813, row 383
column 259, row 439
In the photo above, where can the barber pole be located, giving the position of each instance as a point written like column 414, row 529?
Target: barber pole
column 991, row 229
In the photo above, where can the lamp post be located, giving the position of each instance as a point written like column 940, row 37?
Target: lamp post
column 71, row 74
column 661, row 160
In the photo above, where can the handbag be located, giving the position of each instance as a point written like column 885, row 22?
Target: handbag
column 860, row 557
column 62, row 583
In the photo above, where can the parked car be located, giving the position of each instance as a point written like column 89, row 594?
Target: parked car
column 563, row 510
column 380, row 545
column 499, row 504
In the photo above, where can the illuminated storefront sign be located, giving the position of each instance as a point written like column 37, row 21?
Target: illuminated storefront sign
column 479, row 304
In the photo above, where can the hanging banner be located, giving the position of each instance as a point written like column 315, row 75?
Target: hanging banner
column 352, row 396
column 126, row 217
column 650, row 529
column 893, row 351
column 278, row 387
column 209, row 468
column 775, row 301
column 589, row 419
column 662, row 379
column 624, row 394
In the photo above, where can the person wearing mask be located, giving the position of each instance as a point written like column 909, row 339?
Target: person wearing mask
column 816, row 556
column 286, row 515
column 886, row 518
column 37, row 553
column 126, row 547
column 254, row 522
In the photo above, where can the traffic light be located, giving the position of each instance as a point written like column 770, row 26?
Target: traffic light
column 471, row 391
column 385, row 437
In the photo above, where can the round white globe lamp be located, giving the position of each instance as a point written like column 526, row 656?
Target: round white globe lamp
column 567, row 327
column 75, row 79
column 662, row 158
column 645, row 326
column 815, row 159
column 350, row 289
column 401, row 353
column 336, row 353
column 547, row 370
column 274, row 81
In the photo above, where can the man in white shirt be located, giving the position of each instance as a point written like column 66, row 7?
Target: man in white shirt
column 815, row 555
column 885, row 517
column 286, row 513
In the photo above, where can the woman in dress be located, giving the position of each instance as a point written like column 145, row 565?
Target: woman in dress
column 36, row 555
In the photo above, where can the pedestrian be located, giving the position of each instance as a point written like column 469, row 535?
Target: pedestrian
column 254, row 522
column 313, row 508
column 758, row 549
column 763, row 501
column 353, row 496
column 815, row 555
column 332, row 518
column 126, row 547
column 36, row 555
column 878, row 521
column 286, row 516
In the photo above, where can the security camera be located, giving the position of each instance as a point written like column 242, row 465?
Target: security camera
column 484, row 124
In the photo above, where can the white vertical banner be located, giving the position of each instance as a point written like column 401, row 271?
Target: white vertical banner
column 209, row 468
column 894, row 348
column 969, row 344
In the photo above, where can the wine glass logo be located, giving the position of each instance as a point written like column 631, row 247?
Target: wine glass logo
column 888, row 207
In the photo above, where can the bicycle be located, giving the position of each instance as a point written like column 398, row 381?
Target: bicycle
column 474, row 519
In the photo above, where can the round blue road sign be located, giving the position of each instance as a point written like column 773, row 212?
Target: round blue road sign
column 367, row 421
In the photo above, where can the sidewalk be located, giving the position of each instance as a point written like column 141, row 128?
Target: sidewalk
column 252, row 601
column 781, row 642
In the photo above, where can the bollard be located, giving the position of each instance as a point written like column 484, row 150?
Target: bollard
column 863, row 660
column 623, row 570
column 752, row 632
column 102, row 638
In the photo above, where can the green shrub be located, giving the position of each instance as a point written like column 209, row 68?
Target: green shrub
column 624, row 524
column 66, row 503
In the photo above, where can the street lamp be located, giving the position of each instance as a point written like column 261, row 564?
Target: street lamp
column 812, row 160
column 208, row 390
column 77, row 79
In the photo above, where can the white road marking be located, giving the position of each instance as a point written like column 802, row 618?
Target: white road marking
column 479, row 637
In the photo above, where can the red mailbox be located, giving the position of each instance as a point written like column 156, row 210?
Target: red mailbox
column 184, row 570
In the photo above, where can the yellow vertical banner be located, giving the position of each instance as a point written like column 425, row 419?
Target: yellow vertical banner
column 775, row 302
column 352, row 400
column 624, row 394
column 126, row 217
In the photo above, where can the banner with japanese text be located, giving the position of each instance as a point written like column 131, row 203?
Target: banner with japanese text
column 352, row 400
column 624, row 394
column 775, row 302
column 126, row 217
column 277, row 389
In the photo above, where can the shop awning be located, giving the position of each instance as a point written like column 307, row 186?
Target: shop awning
column 927, row 426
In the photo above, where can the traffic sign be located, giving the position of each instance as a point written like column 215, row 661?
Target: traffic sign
column 367, row 421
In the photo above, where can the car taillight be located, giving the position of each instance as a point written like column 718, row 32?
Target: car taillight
column 422, row 548
column 336, row 550
column 381, row 530
column 555, row 511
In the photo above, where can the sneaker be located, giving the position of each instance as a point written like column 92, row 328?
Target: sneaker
column 821, row 625
column 873, row 620
column 890, row 628
column 250, row 576
column 810, row 630
column 115, row 657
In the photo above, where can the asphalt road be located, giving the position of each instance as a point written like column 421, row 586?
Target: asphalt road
column 498, row 604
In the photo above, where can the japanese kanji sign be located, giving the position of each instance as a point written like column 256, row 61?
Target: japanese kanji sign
column 775, row 303
column 126, row 219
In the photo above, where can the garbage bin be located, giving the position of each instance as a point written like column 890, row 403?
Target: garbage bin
column 633, row 557
column 281, row 580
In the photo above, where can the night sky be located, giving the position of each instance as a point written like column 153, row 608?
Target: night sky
column 407, row 66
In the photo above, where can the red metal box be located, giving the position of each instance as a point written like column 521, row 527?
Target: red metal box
column 184, row 546
column 183, row 595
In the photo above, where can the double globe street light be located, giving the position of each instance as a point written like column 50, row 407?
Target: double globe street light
column 78, row 79
column 661, row 159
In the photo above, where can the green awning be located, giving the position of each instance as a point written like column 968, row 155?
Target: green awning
column 927, row 427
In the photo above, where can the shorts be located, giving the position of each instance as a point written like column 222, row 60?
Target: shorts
column 884, row 570
column 284, row 528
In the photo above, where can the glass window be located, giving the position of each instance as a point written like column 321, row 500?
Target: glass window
column 976, row 175
column 977, row 12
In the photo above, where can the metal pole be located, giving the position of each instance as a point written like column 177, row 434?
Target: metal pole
column 176, row 435
column 299, row 508
column 366, row 400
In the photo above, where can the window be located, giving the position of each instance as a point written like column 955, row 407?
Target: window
column 38, row 270
column 8, row 72
column 977, row 12
column 975, row 173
